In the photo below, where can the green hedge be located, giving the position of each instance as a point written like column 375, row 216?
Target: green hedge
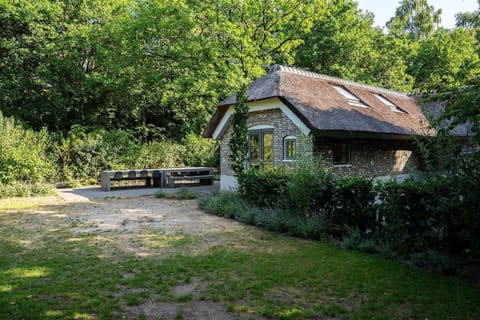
column 264, row 188
column 436, row 213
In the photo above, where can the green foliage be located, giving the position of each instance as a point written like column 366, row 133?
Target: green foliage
column 353, row 199
column 24, row 154
column 83, row 154
column 160, row 194
column 238, row 143
column 19, row 189
column 310, row 187
column 200, row 152
column 255, row 274
column 408, row 210
column 434, row 261
column 159, row 68
column 446, row 59
column 270, row 186
column 469, row 19
column 434, row 213
column 352, row 238
column 339, row 41
column 182, row 194
column 231, row 205
column 160, row 154
column 227, row 205
column 416, row 18
column 53, row 73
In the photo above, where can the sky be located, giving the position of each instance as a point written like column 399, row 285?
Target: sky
column 385, row 9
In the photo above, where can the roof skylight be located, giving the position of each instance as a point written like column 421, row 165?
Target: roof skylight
column 389, row 103
column 351, row 98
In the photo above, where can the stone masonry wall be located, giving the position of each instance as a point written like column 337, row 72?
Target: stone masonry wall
column 283, row 127
column 371, row 157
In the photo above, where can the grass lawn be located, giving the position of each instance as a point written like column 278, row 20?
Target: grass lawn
column 50, row 270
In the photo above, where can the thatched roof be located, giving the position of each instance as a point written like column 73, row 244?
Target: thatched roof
column 435, row 108
column 313, row 98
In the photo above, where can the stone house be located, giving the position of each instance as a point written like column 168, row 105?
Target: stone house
column 356, row 128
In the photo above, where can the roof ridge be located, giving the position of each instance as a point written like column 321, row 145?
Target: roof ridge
column 278, row 68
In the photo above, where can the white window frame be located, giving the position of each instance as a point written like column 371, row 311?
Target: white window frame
column 389, row 103
column 352, row 99
column 285, row 148
column 261, row 130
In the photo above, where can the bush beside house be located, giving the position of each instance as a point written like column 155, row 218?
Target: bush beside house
column 431, row 218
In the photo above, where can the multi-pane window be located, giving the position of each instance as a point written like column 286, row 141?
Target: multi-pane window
column 290, row 148
column 341, row 153
column 260, row 148
column 351, row 98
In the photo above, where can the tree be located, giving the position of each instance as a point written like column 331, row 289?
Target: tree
column 415, row 18
column 238, row 143
column 470, row 20
column 51, row 61
column 186, row 55
column 344, row 43
column 338, row 42
column 388, row 61
column 447, row 59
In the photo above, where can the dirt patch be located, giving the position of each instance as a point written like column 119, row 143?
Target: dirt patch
column 147, row 225
column 185, row 289
column 170, row 216
column 188, row 311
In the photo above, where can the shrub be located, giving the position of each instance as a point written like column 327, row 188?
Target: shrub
column 353, row 199
column 19, row 189
column 230, row 205
column 403, row 210
column 313, row 226
column 352, row 238
column 82, row 155
column 200, row 152
column 463, row 223
column 368, row 246
column 264, row 187
column 160, row 154
column 185, row 194
column 182, row 194
column 160, row 194
column 226, row 204
column 310, row 188
column 419, row 214
column 434, row 261
column 24, row 156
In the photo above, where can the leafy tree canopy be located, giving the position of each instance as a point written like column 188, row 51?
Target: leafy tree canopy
column 415, row 18
column 158, row 68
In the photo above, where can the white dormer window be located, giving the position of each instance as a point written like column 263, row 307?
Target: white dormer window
column 351, row 98
column 388, row 103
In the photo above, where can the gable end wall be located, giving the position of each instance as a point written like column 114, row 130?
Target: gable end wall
column 283, row 127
